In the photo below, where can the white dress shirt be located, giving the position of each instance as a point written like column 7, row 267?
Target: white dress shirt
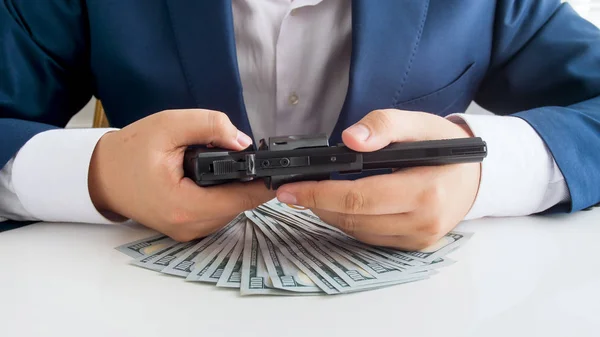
column 294, row 61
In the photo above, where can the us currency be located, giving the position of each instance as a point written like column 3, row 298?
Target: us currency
column 357, row 278
column 369, row 277
column 335, row 271
column 255, row 278
column 161, row 259
column 371, row 266
column 415, row 277
column 277, row 249
column 384, row 257
column 283, row 274
column 282, row 209
column 183, row 265
column 385, row 273
column 214, row 271
column 445, row 245
column 146, row 246
column 303, row 220
column 332, row 273
column 143, row 261
column 353, row 276
column 388, row 259
column 232, row 273
column 302, row 262
column 202, row 265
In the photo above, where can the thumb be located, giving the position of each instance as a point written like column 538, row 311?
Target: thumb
column 382, row 127
column 196, row 126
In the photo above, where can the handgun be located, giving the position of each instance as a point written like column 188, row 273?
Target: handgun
column 287, row 159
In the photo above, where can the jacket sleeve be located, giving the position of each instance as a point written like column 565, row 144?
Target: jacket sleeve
column 545, row 69
column 44, row 69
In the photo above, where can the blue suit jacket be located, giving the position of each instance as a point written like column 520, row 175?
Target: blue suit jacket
column 536, row 59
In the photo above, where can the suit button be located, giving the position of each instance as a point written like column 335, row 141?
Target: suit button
column 293, row 99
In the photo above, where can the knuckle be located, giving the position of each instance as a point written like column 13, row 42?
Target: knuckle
column 368, row 239
column 354, row 201
column 244, row 201
column 432, row 227
column 162, row 115
column 381, row 119
column 311, row 197
column 182, row 236
column 348, row 224
column 429, row 241
column 178, row 217
column 422, row 243
column 165, row 117
column 249, row 202
column 219, row 122
column 434, row 196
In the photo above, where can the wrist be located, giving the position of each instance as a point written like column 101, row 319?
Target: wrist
column 99, row 175
column 477, row 168
column 467, row 130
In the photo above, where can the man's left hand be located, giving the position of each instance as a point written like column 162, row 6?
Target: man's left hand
column 409, row 209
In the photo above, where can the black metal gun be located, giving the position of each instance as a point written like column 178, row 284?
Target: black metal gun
column 301, row 158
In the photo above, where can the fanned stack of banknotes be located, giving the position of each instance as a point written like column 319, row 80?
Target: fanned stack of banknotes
column 278, row 249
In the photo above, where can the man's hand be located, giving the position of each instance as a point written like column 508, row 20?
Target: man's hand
column 137, row 173
column 408, row 209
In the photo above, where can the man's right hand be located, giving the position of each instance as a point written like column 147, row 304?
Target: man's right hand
column 137, row 173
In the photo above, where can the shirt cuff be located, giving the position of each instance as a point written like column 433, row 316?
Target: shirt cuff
column 50, row 176
column 519, row 175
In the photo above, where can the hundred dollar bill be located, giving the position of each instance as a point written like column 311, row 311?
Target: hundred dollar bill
column 353, row 276
column 414, row 277
column 356, row 278
column 444, row 246
column 331, row 272
column 306, row 265
column 448, row 243
column 283, row 274
column 202, row 266
column 296, row 212
column 255, row 278
column 361, row 275
column 159, row 261
column 301, row 256
column 378, row 268
column 402, row 259
column 388, row 258
column 306, row 221
column 214, row 271
column 384, row 257
column 373, row 267
column 146, row 246
column 232, row 273
column 183, row 265
column 143, row 261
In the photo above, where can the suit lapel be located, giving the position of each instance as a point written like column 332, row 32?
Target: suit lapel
column 205, row 40
column 385, row 39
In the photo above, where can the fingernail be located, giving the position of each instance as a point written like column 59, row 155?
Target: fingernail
column 287, row 198
column 359, row 132
column 243, row 139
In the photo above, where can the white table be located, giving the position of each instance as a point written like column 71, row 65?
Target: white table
column 533, row 276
